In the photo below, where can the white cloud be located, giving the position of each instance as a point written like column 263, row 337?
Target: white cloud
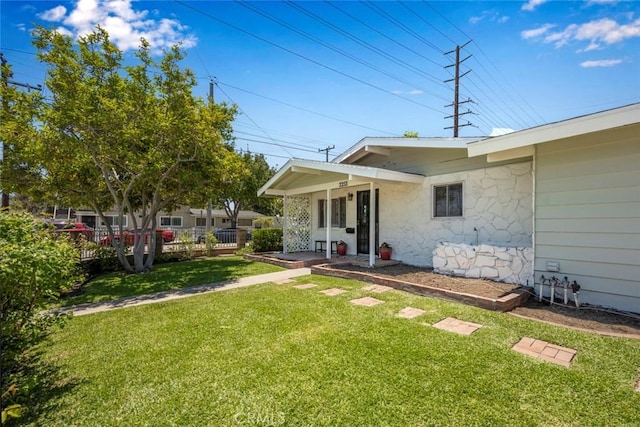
column 54, row 14
column 500, row 131
column 601, row 63
column 490, row 15
column 410, row 92
column 125, row 25
column 532, row 4
column 600, row 32
column 536, row 32
column 592, row 2
column 21, row 27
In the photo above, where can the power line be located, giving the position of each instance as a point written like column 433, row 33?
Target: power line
column 252, row 121
column 305, row 109
column 371, row 85
column 401, row 25
column 365, row 44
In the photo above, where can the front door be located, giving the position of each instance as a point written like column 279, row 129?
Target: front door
column 364, row 206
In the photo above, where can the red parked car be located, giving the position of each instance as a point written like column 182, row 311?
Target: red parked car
column 73, row 229
column 129, row 236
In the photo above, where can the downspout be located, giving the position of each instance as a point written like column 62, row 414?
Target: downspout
column 372, row 225
column 533, row 216
column 327, row 219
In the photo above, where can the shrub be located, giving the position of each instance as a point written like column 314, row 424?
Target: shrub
column 185, row 246
column 34, row 267
column 267, row 239
column 210, row 242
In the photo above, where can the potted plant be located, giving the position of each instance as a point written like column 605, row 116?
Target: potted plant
column 385, row 251
column 341, row 247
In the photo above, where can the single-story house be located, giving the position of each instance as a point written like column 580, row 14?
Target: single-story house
column 184, row 217
column 563, row 198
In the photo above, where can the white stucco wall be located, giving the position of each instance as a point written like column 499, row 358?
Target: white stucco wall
column 497, row 202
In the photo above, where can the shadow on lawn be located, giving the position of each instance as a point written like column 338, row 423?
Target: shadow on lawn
column 164, row 277
column 42, row 385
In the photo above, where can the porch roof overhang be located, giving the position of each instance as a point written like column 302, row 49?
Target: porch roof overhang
column 383, row 146
column 299, row 176
column 521, row 144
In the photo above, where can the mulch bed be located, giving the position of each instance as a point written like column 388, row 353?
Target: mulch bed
column 589, row 318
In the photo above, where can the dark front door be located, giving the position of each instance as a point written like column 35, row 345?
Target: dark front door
column 364, row 206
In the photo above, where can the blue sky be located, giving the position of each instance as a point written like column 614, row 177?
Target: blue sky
column 308, row 75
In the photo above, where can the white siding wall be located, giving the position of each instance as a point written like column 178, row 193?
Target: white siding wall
column 497, row 202
column 588, row 215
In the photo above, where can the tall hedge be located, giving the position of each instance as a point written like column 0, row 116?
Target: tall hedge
column 267, row 239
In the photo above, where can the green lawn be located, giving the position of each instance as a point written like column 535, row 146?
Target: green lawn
column 275, row 355
column 168, row 276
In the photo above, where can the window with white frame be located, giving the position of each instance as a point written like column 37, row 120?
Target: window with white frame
column 113, row 220
column 201, row 222
column 245, row 222
column 447, row 200
column 338, row 213
column 170, row 221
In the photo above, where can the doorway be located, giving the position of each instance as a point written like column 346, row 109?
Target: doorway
column 362, row 221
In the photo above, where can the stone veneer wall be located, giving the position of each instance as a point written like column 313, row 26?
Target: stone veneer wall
column 509, row 265
column 497, row 207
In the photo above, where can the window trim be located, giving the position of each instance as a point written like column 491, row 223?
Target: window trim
column 447, row 186
column 171, row 218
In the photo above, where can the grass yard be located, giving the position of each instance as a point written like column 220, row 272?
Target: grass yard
column 275, row 355
column 163, row 277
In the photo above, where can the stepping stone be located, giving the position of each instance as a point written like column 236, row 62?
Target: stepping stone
column 546, row 351
column 461, row 327
column 410, row 312
column 306, row 286
column 377, row 288
column 366, row 301
column 333, row 292
column 284, row 281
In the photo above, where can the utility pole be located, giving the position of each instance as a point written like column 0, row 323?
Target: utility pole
column 456, row 93
column 326, row 150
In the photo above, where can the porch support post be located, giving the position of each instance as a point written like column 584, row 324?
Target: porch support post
column 372, row 225
column 328, row 222
column 284, row 224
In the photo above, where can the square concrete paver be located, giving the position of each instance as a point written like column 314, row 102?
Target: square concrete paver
column 284, row 281
column 377, row 288
column 461, row 327
column 366, row 301
column 410, row 312
column 306, row 286
column 543, row 350
column 333, row 292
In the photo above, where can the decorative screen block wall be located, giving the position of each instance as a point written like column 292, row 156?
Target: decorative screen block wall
column 509, row 265
column 298, row 224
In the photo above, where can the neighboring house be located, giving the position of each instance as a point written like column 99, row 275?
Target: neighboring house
column 181, row 218
column 570, row 190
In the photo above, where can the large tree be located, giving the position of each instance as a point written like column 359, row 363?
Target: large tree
column 123, row 135
column 241, row 191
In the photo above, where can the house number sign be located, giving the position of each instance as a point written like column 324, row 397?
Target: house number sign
column 343, row 184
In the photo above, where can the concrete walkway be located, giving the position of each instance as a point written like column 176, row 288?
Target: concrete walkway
column 89, row 308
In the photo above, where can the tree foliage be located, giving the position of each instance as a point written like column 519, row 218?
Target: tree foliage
column 34, row 266
column 241, row 192
column 118, row 136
